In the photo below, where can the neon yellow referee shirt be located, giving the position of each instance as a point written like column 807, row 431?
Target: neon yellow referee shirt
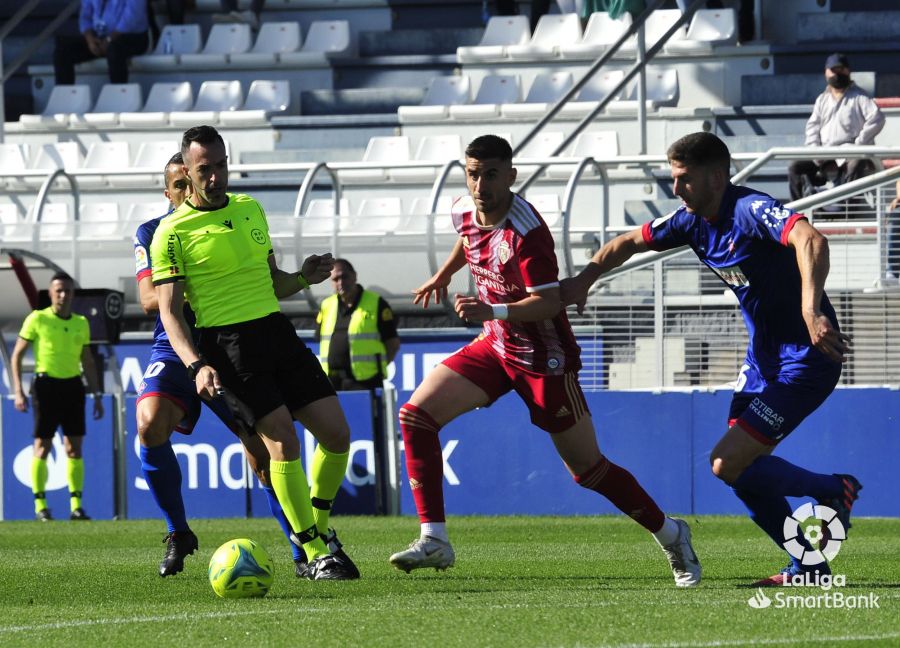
column 222, row 256
column 58, row 343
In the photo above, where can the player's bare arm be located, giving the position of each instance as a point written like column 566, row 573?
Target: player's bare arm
column 541, row 305
column 21, row 400
column 92, row 376
column 147, row 295
column 575, row 289
column 171, row 311
column 316, row 269
column 435, row 289
column 813, row 260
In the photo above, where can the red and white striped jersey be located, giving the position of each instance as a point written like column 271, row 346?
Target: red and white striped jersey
column 508, row 261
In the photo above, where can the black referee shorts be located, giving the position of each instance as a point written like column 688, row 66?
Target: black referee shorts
column 57, row 402
column 265, row 365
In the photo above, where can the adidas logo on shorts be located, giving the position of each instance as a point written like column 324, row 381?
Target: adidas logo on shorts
column 563, row 411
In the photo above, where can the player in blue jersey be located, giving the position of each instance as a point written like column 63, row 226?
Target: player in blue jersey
column 168, row 401
column 776, row 264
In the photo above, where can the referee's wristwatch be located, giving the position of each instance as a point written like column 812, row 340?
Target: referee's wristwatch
column 193, row 368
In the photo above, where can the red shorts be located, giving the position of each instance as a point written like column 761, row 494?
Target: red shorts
column 556, row 403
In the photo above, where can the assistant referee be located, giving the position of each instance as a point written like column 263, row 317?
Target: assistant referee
column 215, row 251
column 61, row 352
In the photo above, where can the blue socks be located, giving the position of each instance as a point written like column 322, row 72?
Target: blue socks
column 163, row 475
column 769, row 513
column 774, row 476
column 278, row 513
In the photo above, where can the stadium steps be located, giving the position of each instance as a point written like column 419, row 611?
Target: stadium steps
column 862, row 26
column 358, row 101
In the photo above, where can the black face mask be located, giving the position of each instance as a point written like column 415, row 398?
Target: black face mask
column 839, row 81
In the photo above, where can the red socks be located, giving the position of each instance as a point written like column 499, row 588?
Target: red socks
column 621, row 488
column 424, row 462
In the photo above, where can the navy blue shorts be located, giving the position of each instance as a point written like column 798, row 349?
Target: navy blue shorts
column 167, row 378
column 769, row 410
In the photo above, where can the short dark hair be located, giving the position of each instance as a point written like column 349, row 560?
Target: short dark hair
column 347, row 264
column 201, row 135
column 177, row 159
column 700, row 149
column 489, row 147
column 62, row 276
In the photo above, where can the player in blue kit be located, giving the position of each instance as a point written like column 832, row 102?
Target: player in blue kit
column 168, row 401
column 776, row 264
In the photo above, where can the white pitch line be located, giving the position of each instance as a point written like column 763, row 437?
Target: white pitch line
column 755, row 641
column 63, row 625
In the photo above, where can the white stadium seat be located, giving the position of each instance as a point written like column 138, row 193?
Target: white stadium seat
column 164, row 98
column 114, row 98
column 552, row 32
column 60, row 155
column 214, row 97
column 320, row 216
column 592, row 93
column 443, row 91
column 494, row 91
column 420, row 212
column 379, row 149
column 378, row 216
column 178, row 40
column 152, row 155
column 500, row 33
column 546, row 90
column 273, row 40
column 100, row 221
column 13, row 227
column 264, row 99
column 541, row 146
column 223, row 41
column 432, row 148
column 658, row 23
column 599, row 35
column 64, row 101
column 55, row 223
column 662, row 90
column 142, row 212
column 104, row 155
column 12, row 159
column 547, row 206
column 325, row 38
column 599, row 145
column 709, row 27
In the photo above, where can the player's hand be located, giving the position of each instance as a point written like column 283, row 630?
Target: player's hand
column 95, row 45
column 207, row 382
column 833, row 343
column 98, row 409
column 316, row 268
column 435, row 289
column 573, row 291
column 472, row 309
column 21, row 403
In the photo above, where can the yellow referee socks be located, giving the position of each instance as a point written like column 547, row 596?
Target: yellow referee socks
column 39, row 475
column 291, row 488
column 75, row 477
column 328, row 469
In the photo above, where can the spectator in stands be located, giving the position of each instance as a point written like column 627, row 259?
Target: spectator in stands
column 842, row 114
column 230, row 13
column 357, row 332
column 175, row 10
column 112, row 29
column 62, row 353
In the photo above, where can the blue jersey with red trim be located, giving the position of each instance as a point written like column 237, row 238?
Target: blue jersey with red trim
column 747, row 247
column 142, row 238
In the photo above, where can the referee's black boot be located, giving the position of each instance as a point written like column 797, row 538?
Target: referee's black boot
column 179, row 544
column 79, row 514
column 43, row 515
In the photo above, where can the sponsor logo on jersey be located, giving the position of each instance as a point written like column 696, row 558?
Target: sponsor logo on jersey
column 141, row 262
column 771, row 215
column 732, row 275
column 772, row 418
column 170, row 252
column 657, row 222
column 504, row 252
column 465, row 241
column 489, row 279
column 553, row 363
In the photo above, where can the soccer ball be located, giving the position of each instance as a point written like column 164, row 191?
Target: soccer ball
column 241, row 569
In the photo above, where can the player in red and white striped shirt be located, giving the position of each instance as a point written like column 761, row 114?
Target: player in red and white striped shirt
column 527, row 345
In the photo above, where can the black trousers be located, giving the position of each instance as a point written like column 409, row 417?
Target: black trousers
column 802, row 173
column 71, row 50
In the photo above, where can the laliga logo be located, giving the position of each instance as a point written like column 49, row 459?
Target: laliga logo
column 56, row 466
column 813, row 534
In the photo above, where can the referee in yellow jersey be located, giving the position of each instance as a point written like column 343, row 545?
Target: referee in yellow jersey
column 61, row 353
column 215, row 251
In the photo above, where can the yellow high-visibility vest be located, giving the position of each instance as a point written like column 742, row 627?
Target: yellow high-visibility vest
column 366, row 347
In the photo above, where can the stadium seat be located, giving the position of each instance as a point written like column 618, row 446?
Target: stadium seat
column 12, row 160
column 264, row 99
column 658, row 23
column 379, row 149
column 104, row 155
column 547, row 205
column 55, row 223
column 541, row 146
column 662, row 90
column 100, row 221
column 273, row 40
column 378, row 216
column 163, row 99
column 182, row 39
column 65, row 100
column 141, row 212
column 708, row 28
column 153, row 155
column 12, row 225
column 494, row 91
column 320, row 217
column 552, row 32
column 501, row 32
column 432, row 148
column 546, row 90
column 325, row 39
column 59, row 155
column 599, row 35
column 214, row 97
column 592, row 93
column 223, row 41
column 419, row 213
column 114, row 98
column 599, row 145
column 443, row 91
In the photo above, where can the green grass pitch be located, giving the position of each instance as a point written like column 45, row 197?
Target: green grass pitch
column 518, row 581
